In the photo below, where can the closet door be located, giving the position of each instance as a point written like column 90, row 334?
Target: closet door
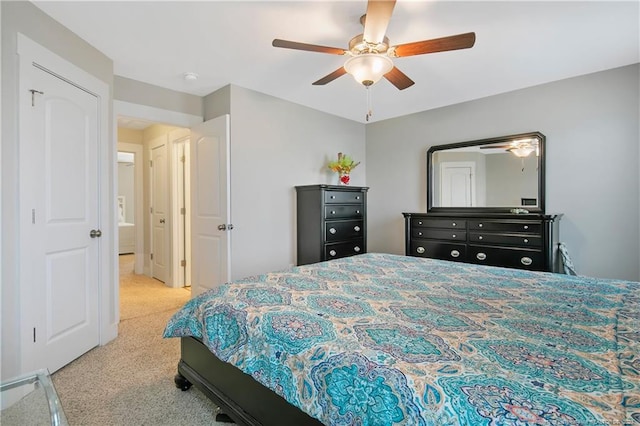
column 59, row 208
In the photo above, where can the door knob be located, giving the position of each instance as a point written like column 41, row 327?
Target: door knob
column 222, row 227
column 95, row 233
column 161, row 220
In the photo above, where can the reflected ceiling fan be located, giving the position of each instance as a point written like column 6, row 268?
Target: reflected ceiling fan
column 518, row 147
column 370, row 53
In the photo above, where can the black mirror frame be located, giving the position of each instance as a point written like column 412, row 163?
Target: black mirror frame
column 540, row 208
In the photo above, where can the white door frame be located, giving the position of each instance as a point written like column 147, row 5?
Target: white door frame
column 136, row 149
column 31, row 53
column 177, row 139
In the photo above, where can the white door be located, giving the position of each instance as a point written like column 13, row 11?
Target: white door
column 159, row 209
column 210, row 205
column 458, row 188
column 59, row 207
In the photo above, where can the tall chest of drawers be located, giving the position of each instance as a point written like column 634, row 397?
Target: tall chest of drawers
column 331, row 222
column 525, row 241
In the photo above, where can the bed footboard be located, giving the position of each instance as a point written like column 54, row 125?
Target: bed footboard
column 241, row 397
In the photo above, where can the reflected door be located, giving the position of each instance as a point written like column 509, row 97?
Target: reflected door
column 458, row 184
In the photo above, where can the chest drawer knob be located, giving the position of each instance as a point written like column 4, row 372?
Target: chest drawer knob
column 455, row 253
column 481, row 256
column 453, row 236
column 526, row 240
column 333, row 197
column 332, row 230
column 356, row 228
column 453, row 224
column 419, row 222
column 333, row 212
column 526, row 261
column 357, row 211
column 420, row 234
column 420, row 250
column 480, row 237
column 526, row 227
column 332, row 253
column 479, row 225
column 356, row 249
column 357, row 197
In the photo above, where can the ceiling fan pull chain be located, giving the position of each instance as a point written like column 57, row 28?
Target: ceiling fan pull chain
column 369, row 109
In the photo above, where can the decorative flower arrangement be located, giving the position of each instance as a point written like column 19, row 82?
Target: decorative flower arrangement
column 343, row 166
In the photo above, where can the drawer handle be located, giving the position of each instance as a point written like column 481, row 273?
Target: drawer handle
column 481, row 256
column 526, row 261
column 526, row 227
column 332, row 253
column 356, row 228
column 526, row 240
column 480, row 237
column 356, row 249
column 332, row 230
column 455, row 253
column 479, row 225
column 420, row 250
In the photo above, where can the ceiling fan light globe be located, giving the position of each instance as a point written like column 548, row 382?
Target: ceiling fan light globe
column 368, row 68
column 522, row 151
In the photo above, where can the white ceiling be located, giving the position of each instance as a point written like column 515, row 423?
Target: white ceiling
column 518, row 44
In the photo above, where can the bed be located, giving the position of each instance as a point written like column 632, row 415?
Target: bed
column 381, row 339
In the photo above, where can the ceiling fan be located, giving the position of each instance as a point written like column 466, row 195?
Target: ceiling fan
column 370, row 52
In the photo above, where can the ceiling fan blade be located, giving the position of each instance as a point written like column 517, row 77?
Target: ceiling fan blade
column 329, row 78
column 398, row 79
column 496, row 146
column 460, row 41
column 377, row 19
column 308, row 47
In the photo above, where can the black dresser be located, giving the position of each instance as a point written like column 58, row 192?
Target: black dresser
column 331, row 221
column 525, row 241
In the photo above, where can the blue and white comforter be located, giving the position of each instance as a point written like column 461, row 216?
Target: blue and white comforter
column 380, row 339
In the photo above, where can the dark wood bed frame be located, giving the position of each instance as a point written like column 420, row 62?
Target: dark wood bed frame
column 240, row 396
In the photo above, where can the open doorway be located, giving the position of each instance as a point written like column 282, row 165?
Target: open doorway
column 152, row 199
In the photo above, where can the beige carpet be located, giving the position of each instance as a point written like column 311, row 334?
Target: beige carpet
column 129, row 381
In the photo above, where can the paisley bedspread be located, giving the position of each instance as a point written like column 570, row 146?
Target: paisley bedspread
column 380, row 339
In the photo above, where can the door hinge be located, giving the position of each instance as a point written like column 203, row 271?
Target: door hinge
column 150, row 209
column 33, row 216
column 34, row 334
column 183, row 263
column 183, row 210
column 150, row 163
column 151, row 255
column 182, row 159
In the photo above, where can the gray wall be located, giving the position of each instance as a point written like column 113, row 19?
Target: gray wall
column 137, row 92
column 25, row 18
column 593, row 163
column 276, row 145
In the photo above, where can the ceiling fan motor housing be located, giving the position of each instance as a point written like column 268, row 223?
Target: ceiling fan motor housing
column 359, row 45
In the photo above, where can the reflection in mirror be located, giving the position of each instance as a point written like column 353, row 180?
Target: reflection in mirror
column 498, row 173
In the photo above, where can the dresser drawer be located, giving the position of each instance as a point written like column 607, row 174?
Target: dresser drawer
column 438, row 250
column 509, row 258
column 338, row 197
column 519, row 240
column 343, row 230
column 438, row 223
column 500, row 226
column 343, row 211
column 338, row 250
column 440, row 234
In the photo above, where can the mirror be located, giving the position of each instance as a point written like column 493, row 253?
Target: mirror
column 498, row 174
